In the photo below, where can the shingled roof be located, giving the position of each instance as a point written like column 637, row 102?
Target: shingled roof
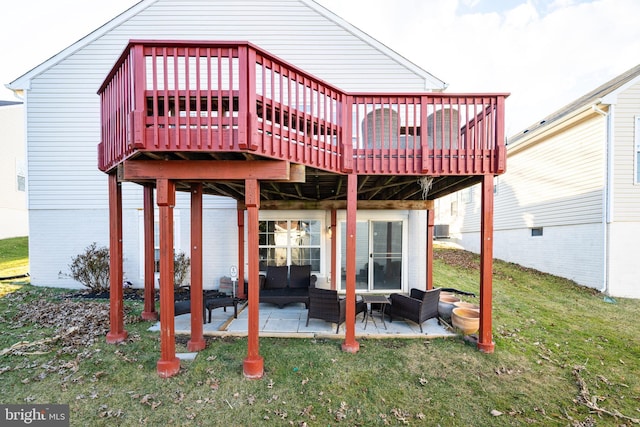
column 587, row 99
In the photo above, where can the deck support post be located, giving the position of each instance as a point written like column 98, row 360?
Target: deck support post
column 169, row 364
column 116, row 332
column 196, row 343
column 240, row 291
column 149, row 312
column 253, row 366
column 334, row 261
column 350, row 344
column 429, row 260
column 485, row 338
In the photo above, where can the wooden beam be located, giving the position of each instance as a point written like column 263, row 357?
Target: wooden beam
column 203, row 170
column 485, row 337
column 342, row 204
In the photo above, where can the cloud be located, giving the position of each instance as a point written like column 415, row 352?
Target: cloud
column 545, row 54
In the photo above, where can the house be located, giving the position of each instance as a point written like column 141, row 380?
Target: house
column 569, row 204
column 266, row 133
column 14, row 219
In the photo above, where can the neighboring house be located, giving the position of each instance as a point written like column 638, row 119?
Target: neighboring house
column 569, row 203
column 14, row 219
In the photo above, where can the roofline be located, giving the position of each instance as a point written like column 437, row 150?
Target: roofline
column 430, row 81
column 605, row 94
column 24, row 82
column 575, row 115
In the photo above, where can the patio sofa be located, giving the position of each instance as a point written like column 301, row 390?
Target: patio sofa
column 282, row 285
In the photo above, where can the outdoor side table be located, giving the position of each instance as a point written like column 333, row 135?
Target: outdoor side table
column 224, row 302
column 374, row 299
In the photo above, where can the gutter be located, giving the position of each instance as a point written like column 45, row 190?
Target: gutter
column 607, row 197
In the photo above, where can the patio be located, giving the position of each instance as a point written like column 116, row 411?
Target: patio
column 290, row 322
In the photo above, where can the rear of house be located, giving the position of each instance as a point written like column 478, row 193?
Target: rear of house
column 569, row 203
column 68, row 199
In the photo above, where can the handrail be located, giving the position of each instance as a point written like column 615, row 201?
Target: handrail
column 232, row 96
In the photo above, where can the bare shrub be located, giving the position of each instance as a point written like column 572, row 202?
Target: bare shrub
column 91, row 268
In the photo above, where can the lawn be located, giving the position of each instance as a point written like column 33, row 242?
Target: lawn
column 564, row 356
column 14, row 256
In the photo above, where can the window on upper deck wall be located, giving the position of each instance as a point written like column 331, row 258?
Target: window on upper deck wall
column 637, row 151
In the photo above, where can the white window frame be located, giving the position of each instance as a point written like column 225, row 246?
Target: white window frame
column 636, row 151
column 367, row 216
column 301, row 216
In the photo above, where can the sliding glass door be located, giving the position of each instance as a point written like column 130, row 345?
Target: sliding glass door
column 378, row 255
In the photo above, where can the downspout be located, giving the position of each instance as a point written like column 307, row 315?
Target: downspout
column 606, row 197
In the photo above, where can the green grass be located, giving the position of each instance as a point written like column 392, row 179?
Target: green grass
column 14, row 256
column 554, row 342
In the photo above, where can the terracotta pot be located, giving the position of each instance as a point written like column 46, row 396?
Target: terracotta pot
column 445, row 305
column 464, row 304
column 465, row 319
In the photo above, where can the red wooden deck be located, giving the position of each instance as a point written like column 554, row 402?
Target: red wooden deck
column 232, row 97
column 280, row 137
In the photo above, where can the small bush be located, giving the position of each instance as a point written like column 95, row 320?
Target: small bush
column 181, row 264
column 91, row 268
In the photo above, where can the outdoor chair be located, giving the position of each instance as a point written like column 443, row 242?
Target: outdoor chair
column 325, row 304
column 418, row 307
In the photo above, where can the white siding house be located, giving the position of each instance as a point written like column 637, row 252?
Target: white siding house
column 14, row 219
column 569, row 203
column 68, row 200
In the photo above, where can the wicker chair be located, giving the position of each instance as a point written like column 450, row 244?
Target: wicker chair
column 418, row 307
column 325, row 304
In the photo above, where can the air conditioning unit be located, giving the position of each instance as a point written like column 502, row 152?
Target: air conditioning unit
column 441, row 231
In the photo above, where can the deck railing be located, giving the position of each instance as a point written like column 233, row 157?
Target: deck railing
column 172, row 96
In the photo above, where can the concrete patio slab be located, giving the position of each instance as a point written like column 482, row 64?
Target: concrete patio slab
column 290, row 321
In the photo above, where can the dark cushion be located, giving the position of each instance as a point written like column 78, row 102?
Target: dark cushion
column 299, row 276
column 276, row 277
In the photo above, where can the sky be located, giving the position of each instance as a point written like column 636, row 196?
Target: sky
column 545, row 53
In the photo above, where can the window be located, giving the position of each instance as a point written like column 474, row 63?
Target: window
column 536, row 232
column 637, row 151
column 21, row 176
column 289, row 241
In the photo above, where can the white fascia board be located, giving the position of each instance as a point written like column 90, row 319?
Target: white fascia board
column 431, row 82
column 24, row 82
column 612, row 98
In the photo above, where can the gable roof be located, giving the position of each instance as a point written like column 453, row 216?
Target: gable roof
column 608, row 90
column 23, row 82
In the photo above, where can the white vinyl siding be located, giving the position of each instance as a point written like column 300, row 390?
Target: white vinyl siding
column 626, row 189
column 540, row 189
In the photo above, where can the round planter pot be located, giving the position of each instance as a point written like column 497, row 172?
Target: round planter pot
column 445, row 306
column 466, row 320
column 468, row 305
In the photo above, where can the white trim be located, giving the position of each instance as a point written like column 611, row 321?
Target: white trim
column 24, row 82
column 431, row 81
column 636, row 150
column 367, row 216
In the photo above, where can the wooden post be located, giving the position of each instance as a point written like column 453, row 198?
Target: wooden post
column 253, row 366
column 240, row 291
column 350, row 344
column 430, row 223
column 334, row 260
column 149, row 312
column 169, row 364
column 116, row 298
column 196, row 343
column 485, row 338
